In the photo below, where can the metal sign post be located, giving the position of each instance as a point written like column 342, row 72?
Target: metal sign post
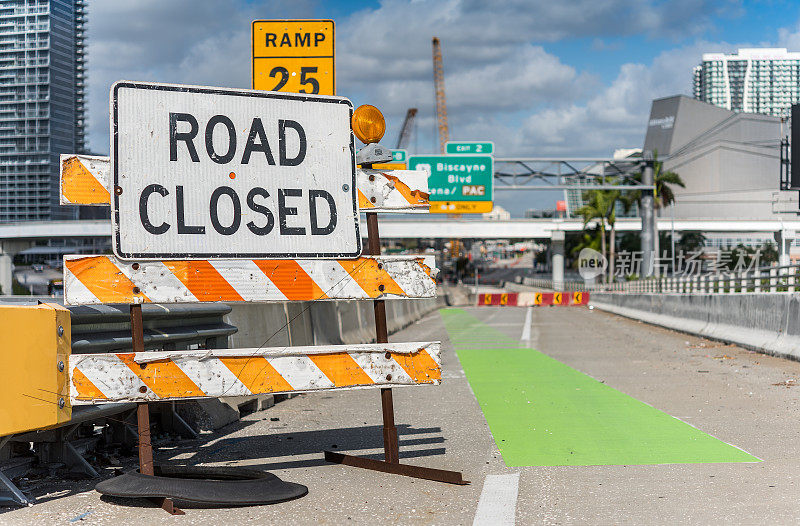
column 391, row 445
column 391, row 448
column 146, row 466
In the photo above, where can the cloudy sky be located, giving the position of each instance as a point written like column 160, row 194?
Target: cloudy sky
column 537, row 77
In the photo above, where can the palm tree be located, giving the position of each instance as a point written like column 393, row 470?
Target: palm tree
column 589, row 238
column 600, row 205
column 662, row 179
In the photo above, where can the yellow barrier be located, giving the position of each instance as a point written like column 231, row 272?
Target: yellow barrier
column 34, row 367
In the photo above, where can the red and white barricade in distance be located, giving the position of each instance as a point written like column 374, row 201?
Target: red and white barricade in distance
column 525, row 299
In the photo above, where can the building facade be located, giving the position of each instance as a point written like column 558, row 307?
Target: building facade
column 753, row 80
column 728, row 161
column 42, row 103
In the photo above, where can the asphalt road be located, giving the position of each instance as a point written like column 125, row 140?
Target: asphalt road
column 723, row 391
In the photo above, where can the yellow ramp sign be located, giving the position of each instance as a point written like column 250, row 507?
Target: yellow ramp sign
column 294, row 55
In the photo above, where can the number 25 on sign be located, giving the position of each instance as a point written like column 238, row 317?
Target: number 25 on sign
column 296, row 56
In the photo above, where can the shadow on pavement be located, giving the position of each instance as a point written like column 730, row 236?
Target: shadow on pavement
column 350, row 439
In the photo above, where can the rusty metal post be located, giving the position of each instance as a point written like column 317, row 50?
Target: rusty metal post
column 145, row 445
column 146, row 466
column 391, row 446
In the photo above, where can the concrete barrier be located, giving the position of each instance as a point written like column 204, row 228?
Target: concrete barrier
column 763, row 322
column 258, row 324
column 326, row 326
column 319, row 323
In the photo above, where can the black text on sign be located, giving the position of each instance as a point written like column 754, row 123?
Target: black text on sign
column 204, row 172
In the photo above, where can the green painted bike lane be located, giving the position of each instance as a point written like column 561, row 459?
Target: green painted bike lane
column 544, row 413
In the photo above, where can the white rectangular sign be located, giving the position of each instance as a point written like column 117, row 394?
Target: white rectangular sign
column 211, row 172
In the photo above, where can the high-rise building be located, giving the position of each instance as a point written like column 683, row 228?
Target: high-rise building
column 42, row 103
column 754, row 80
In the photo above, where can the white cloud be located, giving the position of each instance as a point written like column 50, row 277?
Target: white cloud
column 184, row 41
column 501, row 82
column 616, row 116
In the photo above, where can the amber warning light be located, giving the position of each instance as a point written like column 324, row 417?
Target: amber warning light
column 368, row 124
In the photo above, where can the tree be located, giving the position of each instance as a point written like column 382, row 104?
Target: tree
column 663, row 195
column 600, row 206
column 662, row 181
column 589, row 238
column 769, row 253
column 691, row 242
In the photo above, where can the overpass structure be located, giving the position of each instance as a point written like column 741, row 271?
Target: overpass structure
column 428, row 227
column 447, row 228
column 17, row 237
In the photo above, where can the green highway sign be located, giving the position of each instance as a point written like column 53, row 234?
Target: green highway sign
column 469, row 148
column 399, row 156
column 457, row 183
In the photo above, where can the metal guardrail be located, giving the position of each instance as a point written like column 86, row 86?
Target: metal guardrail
column 775, row 279
column 564, row 286
column 106, row 328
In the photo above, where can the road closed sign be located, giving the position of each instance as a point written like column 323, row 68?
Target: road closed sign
column 219, row 173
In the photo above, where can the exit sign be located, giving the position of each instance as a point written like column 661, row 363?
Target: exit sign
column 458, row 184
column 399, row 156
column 469, row 148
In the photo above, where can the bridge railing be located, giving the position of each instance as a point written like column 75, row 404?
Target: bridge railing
column 773, row 279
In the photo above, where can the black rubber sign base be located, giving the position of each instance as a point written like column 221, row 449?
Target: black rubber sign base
column 206, row 486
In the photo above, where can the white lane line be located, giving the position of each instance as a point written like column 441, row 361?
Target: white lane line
column 526, row 330
column 498, row 503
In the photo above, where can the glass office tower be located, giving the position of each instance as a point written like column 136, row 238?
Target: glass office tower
column 42, row 103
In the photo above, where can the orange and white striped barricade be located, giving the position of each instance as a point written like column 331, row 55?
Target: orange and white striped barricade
column 175, row 375
column 86, row 180
column 145, row 376
column 106, row 279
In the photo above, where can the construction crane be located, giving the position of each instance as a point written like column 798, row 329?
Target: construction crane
column 444, row 131
column 441, row 105
column 405, row 131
